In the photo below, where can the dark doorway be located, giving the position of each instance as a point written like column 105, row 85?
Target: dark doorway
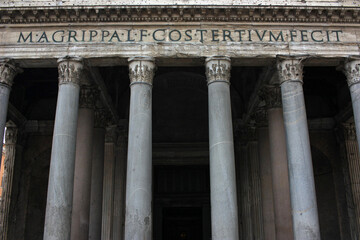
column 182, row 223
column 181, row 203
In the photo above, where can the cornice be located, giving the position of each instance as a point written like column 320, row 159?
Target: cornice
column 291, row 14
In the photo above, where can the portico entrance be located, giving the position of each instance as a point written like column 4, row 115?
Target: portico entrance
column 181, row 202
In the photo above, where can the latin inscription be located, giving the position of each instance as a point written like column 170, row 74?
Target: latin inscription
column 180, row 35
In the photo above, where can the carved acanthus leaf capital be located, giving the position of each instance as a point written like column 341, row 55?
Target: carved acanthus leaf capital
column 260, row 117
column 352, row 70
column 218, row 69
column 101, row 118
column 272, row 96
column 88, row 96
column 11, row 135
column 70, row 70
column 8, row 71
column 111, row 134
column 349, row 131
column 290, row 68
column 141, row 70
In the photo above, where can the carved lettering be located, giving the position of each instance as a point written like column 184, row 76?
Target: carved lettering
column 219, row 36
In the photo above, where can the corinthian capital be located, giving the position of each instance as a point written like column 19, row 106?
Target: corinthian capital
column 349, row 131
column 101, row 118
column 141, row 70
column 290, row 68
column 352, row 70
column 88, row 96
column 218, row 69
column 11, row 135
column 8, row 70
column 70, row 70
column 272, row 96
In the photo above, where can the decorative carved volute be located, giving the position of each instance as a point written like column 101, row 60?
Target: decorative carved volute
column 290, row 68
column 218, row 69
column 141, row 70
column 272, row 96
column 352, row 70
column 70, row 70
column 8, row 70
column 88, row 96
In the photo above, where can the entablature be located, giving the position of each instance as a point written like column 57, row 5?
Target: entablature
column 182, row 13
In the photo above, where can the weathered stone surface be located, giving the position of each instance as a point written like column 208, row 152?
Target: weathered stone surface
column 301, row 176
column 61, row 177
column 224, row 219
column 175, row 41
column 138, row 216
column 27, row 3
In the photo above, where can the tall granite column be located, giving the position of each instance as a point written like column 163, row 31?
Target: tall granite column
column 224, row 217
column 119, row 186
column 353, row 160
column 246, row 195
column 61, row 176
column 7, row 179
column 254, row 171
column 83, row 159
column 279, row 163
column 97, row 174
column 7, row 74
column 352, row 72
column 301, row 176
column 138, row 216
column 265, row 175
column 108, row 183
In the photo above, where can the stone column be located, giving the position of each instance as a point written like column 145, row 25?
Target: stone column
column 61, row 176
column 256, row 200
column 224, row 218
column 138, row 216
column 7, row 74
column 266, row 175
column 301, row 176
column 352, row 72
column 279, row 163
column 119, row 186
column 246, row 196
column 108, row 184
column 7, row 179
column 83, row 159
column 353, row 159
column 97, row 174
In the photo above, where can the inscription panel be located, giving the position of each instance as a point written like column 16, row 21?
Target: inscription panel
column 177, row 40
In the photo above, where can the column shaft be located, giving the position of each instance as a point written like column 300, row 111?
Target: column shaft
column 108, row 184
column 224, row 219
column 353, row 158
column 119, row 187
column 97, row 183
column 280, row 175
column 7, row 180
column 138, row 217
column 302, row 184
column 246, row 195
column 256, row 207
column 7, row 74
column 352, row 72
column 61, row 176
column 83, row 159
column 266, row 184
